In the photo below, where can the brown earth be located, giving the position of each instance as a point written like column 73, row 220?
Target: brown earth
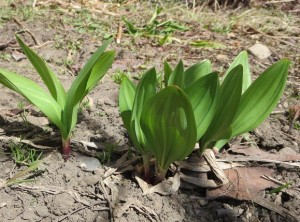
column 65, row 36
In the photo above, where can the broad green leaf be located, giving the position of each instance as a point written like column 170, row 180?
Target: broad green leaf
column 260, row 98
column 99, row 69
column 177, row 77
column 126, row 100
column 203, row 95
column 169, row 127
column 87, row 78
column 90, row 64
column 230, row 95
column 79, row 87
column 49, row 78
column 242, row 59
column 167, row 72
column 145, row 90
column 197, row 71
column 34, row 94
column 220, row 143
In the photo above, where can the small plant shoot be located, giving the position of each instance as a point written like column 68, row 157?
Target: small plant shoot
column 59, row 105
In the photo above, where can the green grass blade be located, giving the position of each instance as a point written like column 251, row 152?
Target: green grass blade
column 84, row 83
column 130, row 27
column 207, row 44
column 261, row 98
column 145, row 90
column 34, row 94
column 17, row 176
column 52, row 82
column 126, row 100
column 204, row 95
column 177, row 77
column 155, row 14
column 242, row 59
column 169, row 127
column 230, row 95
column 197, row 71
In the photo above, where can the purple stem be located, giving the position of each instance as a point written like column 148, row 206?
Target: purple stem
column 66, row 144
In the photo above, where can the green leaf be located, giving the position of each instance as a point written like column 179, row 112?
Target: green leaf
column 230, row 95
column 155, row 14
column 145, row 90
column 130, row 27
column 87, row 78
column 242, row 59
column 280, row 188
column 197, row 71
column 99, row 69
column 207, row 44
column 203, row 95
column 220, row 143
column 126, row 100
column 260, row 98
column 167, row 72
column 164, row 39
column 175, row 26
column 49, row 78
column 177, row 77
column 34, row 94
column 169, row 127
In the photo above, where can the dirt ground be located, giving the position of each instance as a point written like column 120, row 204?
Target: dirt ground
column 97, row 183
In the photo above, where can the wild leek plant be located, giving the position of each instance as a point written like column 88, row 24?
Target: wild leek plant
column 237, row 106
column 160, row 124
column 195, row 105
column 58, row 105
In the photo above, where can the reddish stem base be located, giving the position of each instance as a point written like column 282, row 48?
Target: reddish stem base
column 66, row 144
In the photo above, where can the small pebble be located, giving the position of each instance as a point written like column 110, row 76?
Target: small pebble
column 286, row 128
column 42, row 211
column 91, row 180
column 260, row 51
column 222, row 58
column 89, row 163
column 3, row 157
column 285, row 105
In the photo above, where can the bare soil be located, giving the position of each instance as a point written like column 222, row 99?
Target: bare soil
column 65, row 36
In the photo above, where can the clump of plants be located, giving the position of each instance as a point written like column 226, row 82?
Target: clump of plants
column 166, row 119
column 59, row 105
column 156, row 124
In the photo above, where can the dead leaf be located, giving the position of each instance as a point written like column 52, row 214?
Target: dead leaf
column 18, row 56
column 197, row 165
column 244, row 183
column 199, row 179
column 285, row 154
column 137, row 205
column 199, row 176
column 166, row 187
